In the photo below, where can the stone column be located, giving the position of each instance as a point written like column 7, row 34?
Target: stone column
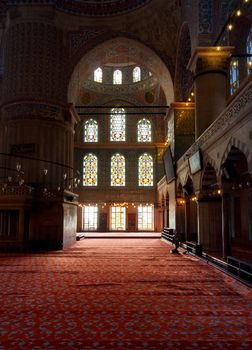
column 181, row 124
column 37, row 121
column 209, row 223
column 210, row 66
column 226, row 244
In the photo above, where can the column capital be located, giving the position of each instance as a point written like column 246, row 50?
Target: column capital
column 211, row 58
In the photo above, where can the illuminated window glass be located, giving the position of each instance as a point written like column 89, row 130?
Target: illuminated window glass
column 117, row 170
column 136, row 74
column 145, row 218
column 144, row 130
column 249, row 51
column 91, row 131
column 90, row 218
column 117, row 124
column 117, row 77
column 234, row 76
column 118, row 218
column 98, row 75
column 145, row 170
column 90, row 166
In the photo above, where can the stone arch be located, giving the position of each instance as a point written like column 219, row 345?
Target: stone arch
column 235, row 166
column 188, row 188
column 115, row 50
column 208, row 179
column 234, row 142
column 208, row 160
column 183, row 77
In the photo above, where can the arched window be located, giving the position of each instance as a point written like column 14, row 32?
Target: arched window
column 234, row 76
column 249, row 51
column 117, row 170
column 98, row 75
column 90, row 169
column 145, row 170
column 136, row 74
column 117, row 124
column 117, row 77
column 91, row 131
column 144, row 130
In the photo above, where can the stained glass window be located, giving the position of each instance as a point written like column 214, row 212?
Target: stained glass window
column 145, row 170
column 136, row 74
column 117, row 77
column 249, row 51
column 144, row 130
column 234, row 76
column 98, row 75
column 117, row 124
column 91, row 131
column 117, row 170
column 90, row 167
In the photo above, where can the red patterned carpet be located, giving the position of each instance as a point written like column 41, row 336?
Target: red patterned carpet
column 120, row 294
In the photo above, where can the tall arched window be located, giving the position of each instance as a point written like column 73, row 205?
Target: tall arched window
column 136, row 74
column 117, row 124
column 145, row 170
column 90, row 170
column 144, row 130
column 249, row 51
column 117, row 170
column 234, row 76
column 98, row 75
column 117, row 77
column 91, row 131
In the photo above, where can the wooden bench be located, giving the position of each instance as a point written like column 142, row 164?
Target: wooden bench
column 167, row 234
column 240, row 268
column 194, row 248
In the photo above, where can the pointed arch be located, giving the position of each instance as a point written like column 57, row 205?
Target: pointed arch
column 209, row 179
column 234, row 142
column 85, row 62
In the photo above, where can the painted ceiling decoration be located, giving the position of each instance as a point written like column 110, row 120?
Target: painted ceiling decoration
column 100, row 8
column 88, row 7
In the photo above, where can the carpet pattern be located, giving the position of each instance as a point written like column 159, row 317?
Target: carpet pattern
column 120, row 294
